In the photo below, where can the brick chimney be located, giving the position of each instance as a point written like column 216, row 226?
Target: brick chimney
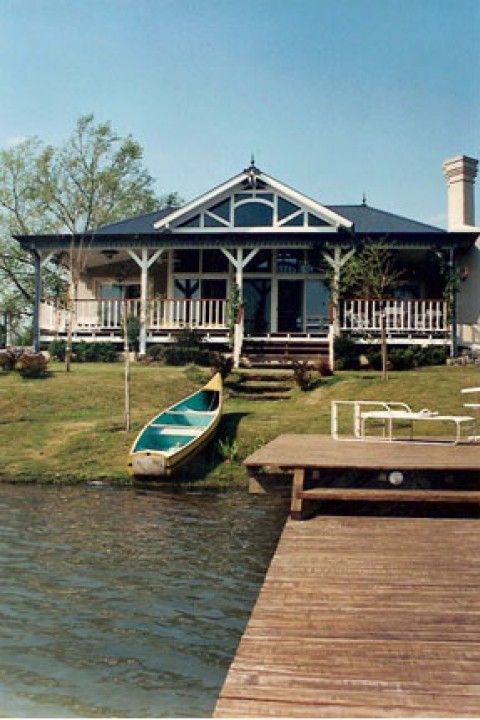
column 460, row 173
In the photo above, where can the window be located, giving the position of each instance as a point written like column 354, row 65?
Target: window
column 285, row 208
column 261, row 262
column 253, row 214
column 185, row 261
column 214, row 261
column 290, row 261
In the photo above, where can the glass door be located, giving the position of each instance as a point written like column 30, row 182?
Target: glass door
column 290, row 306
column 257, row 302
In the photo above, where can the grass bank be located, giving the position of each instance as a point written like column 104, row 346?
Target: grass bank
column 68, row 427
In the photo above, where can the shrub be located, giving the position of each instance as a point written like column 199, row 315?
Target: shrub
column 323, row 367
column 32, row 365
column 221, row 363
column 431, row 355
column 7, row 360
column 346, row 354
column 57, row 349
column 173, row 355
column 155, row 352
column 188, row 338
column 402, row 359
column 374, row 357
column 133, row 332
column 302, row 374
column 84, row 352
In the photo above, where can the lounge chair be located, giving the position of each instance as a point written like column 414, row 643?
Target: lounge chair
column 395, row 412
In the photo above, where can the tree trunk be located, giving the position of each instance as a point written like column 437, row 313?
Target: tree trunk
column 70, row 311
column 126, row 351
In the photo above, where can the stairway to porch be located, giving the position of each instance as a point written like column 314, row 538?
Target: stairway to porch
column 261, row 384
column 283, row 350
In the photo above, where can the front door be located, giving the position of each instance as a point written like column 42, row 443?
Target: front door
column 290, row 306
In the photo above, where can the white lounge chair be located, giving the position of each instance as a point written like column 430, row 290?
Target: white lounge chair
column 474, row 406
column 394, row 412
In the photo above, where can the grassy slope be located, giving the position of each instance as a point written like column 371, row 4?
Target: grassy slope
column 69, row 427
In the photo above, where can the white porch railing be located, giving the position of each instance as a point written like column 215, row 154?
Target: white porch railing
column 401, row 316
column 107, row 315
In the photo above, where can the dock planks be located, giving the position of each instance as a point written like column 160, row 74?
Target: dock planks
column 364, row 617
column 290, row 451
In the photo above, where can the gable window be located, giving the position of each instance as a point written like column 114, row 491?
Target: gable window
column 253, row 214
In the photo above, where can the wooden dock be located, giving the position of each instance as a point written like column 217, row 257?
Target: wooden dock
column 363, row 617
column 322, row 454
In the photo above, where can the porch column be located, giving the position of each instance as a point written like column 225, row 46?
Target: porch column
column 239, row 263
column 37, row 300
column 144, row 262
column 336, row 262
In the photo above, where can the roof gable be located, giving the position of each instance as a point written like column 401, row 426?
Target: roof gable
column 251, row 202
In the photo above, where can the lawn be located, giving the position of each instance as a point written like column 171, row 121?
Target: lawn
column 69, row 427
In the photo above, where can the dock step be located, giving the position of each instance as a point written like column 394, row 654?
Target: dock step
column 391, row 495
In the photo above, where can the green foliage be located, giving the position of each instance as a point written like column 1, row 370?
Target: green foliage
column 173, row 355
column 228, row 449
column 346, row 354
column 188, row 338
column 7, row 360
column 302, row 374
column 32, row 365
column 95, row 177
column 84, row 352
column 133, row 332
column 409, row 357
column 221, row 363
column 233, row 306
column 370, row 272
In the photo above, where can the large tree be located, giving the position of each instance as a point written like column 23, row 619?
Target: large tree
column 95, row 177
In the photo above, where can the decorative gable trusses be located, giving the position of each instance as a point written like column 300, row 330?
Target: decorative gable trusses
column 253, row 202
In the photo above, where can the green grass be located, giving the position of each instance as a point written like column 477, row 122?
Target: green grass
column 69, row 427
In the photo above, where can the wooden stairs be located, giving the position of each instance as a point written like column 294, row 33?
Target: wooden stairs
column 254, row 385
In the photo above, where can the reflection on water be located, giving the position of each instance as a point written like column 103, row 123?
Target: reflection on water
column 124, row 602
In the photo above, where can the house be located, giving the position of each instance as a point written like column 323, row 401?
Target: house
column 271, row 245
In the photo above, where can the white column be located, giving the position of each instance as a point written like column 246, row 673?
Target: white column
column 144, row 262
column 239, row 262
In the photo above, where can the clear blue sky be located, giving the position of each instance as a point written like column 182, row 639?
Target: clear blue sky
column 335, row 97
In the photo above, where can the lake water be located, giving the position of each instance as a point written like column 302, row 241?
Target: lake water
column 125, row 602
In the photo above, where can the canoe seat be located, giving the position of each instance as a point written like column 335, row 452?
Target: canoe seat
column 182, row 419
column 155, row 438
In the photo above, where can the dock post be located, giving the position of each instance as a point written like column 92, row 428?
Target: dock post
column 297, row 489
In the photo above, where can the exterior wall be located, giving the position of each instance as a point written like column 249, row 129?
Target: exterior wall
column 469, row 300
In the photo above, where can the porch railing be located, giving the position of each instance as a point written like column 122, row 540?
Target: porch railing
column 107, row 315
column 401, row 316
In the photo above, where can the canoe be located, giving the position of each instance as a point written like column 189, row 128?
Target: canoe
column 178, row 433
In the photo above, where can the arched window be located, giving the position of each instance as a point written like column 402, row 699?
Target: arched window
column 253, row 214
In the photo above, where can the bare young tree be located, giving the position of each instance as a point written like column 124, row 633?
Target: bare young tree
column 371, row 273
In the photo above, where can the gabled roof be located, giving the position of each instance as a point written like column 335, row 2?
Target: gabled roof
column 252, row 180
column 368, row 219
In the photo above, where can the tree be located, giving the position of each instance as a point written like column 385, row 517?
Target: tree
column 96, row 177
column 371, row 274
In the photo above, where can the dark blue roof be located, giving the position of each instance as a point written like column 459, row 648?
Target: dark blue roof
column 368, row 219
column 136, row 225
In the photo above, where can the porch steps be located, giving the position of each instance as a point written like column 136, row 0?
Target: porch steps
column 267, row 385
column 284, row 351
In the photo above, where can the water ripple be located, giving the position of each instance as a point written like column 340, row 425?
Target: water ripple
column 125, row 603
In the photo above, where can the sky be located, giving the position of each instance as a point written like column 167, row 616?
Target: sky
column 334, row 97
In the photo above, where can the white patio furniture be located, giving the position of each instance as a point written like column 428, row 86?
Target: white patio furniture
column 391, row 414
column 475, row 405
